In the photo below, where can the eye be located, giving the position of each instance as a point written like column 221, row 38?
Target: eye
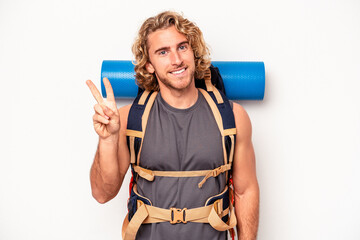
column 163, row 52
column 183, row 47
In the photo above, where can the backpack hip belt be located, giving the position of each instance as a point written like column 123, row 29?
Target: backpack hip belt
column 214, row 214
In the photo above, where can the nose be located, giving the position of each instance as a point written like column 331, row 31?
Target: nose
column 176, row 58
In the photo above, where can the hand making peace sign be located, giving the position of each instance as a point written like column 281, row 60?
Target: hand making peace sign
column 106, row 119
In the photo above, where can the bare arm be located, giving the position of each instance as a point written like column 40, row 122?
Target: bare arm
column 112, row 157
column 244, row 178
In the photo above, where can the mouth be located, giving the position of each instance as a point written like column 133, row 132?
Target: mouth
column 179, row 71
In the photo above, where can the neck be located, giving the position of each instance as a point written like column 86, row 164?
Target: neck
column 180, row 99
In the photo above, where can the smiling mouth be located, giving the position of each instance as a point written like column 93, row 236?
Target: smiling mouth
column 179, row 71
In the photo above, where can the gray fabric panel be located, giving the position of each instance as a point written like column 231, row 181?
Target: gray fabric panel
column 181, row 140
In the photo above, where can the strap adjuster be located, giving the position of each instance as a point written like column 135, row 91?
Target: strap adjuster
column 178, row 215
column 216, row 172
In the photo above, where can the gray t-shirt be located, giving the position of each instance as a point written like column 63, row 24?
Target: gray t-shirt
column 181, row 140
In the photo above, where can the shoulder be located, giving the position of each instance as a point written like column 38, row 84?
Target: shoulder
column 242, row 122
column 125, row 109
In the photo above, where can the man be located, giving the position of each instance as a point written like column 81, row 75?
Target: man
column 181, row 137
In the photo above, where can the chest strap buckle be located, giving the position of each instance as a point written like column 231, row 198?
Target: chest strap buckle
column 178, row 215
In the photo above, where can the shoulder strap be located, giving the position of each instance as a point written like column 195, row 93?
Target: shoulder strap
column 137, row 120
column 223, row 115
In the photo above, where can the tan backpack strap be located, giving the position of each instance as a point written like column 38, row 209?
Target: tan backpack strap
column 231, row 157
column 210, row 87
column 132, row 149
column 216, row 222
column 144, row 173
column 137, row 126
column 214, row 109
column 143, row 97
column 207, row 79
column 130, row 229
column 132, row 134
column 214, row 173
column 178, row 215
column 145, row 118
column 149, row 214
column 230, row 131
column 150, row 175
column 218, row 119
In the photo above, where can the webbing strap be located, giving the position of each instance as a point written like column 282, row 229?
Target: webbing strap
column 211, row 88
column 225, row 154
column 216, row 222
column 167, row 215
column 231, row 157
column 150, row 214
column 230, row 131
column 130, row 229
column 215, row 110
column 134, row 133
column 214, row 173
column 132, row 149
column 144, row 120
column 143, row 97
column 218, row 96
column 218, row 120
column 150, row 175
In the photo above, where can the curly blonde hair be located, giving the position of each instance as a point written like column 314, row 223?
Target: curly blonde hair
column 164, row 20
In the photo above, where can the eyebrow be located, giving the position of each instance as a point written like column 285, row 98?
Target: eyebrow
column 167, row 47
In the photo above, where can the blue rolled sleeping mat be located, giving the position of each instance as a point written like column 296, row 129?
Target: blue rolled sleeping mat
column 242, row 80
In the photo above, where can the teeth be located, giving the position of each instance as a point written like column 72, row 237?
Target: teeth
column 180, row 71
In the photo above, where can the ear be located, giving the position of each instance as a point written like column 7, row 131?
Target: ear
column 149, row 67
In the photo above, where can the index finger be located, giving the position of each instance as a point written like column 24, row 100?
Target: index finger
column 109, row 90
column 95, row 92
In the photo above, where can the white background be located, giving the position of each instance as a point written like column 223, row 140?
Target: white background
column 306, row 132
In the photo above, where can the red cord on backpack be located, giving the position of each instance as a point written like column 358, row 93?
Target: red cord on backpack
column 232, row 231
column 131, row 184
column 231, row 185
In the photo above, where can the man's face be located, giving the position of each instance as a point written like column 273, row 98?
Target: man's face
column 171, row 58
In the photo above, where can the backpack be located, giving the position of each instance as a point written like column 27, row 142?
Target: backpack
column 217, row 208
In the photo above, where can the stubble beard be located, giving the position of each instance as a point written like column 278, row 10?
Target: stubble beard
column 170, row 83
